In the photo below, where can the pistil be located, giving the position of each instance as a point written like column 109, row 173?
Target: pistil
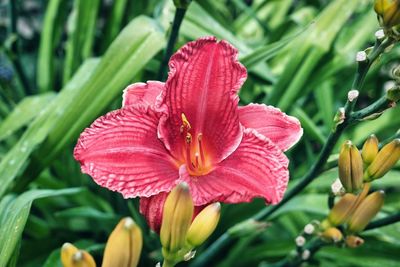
column 202, row 157
column 196, row 165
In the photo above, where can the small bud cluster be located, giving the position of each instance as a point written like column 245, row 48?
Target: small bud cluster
column 180, row 235
column 71, row 256
column 356, row 207
column 123, row 248
column 354, row 210
column 357, row 168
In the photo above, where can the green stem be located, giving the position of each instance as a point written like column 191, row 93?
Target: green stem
column 391, row 219
column 312, row 246
column 318, row 166
column 168, row 264
column 179, row 15
column 212, row 250
column 390, row 139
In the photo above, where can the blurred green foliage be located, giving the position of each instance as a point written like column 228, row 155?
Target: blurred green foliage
column 63, row 63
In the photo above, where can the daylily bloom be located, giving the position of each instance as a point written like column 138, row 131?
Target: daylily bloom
column 191, row 130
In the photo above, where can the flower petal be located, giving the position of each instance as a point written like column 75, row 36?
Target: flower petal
column 142, row 93
column 203, row 82
column 152, row 209
column 283, row 130
column 121, row 151
column 258, row 168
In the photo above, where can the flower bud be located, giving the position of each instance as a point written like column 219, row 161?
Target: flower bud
column 370, row 149
column 353, row 241
column 177, row 216
column 332, row 235
column 350, row 167
column 384, row 161
column 341, row 211
column 204, row 225
column 393, row 94
column 73, row 257
column 388, row 12
column 124, row 245
column 367, row 210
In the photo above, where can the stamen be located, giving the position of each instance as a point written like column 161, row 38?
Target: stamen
column 199, row 138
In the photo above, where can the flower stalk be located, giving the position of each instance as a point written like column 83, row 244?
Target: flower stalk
column 349, row 119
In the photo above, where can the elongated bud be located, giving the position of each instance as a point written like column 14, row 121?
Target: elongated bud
column 332, row 235
column 367, row 210
column 370, row 149
column 350, row 167
column 341, row 211
column 384, row 161
column 388, row 12
column 177, row 216
column 204, row 225
column 123, row 245
column 73, row 257
column 353, row 241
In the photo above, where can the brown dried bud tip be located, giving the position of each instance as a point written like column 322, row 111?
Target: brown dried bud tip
column 352, row 95
column 353, row 241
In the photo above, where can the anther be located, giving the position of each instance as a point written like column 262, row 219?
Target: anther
column 188, row 139
column 185, row 122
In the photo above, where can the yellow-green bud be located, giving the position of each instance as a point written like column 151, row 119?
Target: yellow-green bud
column 332, row 235
column 350, row 167
column 177, row 216
column 124, row 245
column 353, row 241
column 341, row 211
column 73, row 257
column 204, row 225
column 388, row 12
column 370, row 149
column 367, row 210
column 384, row 161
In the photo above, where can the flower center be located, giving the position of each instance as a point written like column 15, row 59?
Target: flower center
column 195, row 156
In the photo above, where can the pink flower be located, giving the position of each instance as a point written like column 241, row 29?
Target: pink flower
column 191, row 129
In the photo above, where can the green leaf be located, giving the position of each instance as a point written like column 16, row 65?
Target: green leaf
column 138, row 42
column 310, row 203
column 16, row 216
column 82, row 22
column 53, row 22
column 24, row 113
column 15, row 160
